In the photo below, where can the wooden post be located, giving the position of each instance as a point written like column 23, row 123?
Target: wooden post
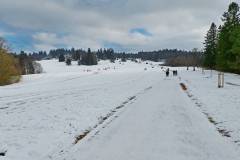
column 220, row 80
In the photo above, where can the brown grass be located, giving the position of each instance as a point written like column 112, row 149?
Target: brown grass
column 9, row 72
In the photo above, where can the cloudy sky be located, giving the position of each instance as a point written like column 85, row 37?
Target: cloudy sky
column 125, row 25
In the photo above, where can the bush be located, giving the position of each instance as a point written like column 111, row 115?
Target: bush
column 88, row 58
column 61, row 58
column 37, row 67
column 26, row 64
column 9, row 65
column 68, row 62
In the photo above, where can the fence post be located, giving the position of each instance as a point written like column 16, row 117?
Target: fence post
column 220, row 80
column 219, row 86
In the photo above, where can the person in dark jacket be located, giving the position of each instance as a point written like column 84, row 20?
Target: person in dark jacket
column 167, row 72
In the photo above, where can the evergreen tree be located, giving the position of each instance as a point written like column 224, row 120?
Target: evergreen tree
column 68, row 62
column 231, row 21
column 210, row 50
column 234, row 58
column 89, row 57
column 124, row 59
column 111, row 55
column 61, row 58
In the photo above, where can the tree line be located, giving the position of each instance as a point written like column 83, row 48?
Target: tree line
column 110, row 54
column 222, row 44
column 193, row 59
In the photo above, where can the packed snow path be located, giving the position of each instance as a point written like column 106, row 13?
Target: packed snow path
column 160, row 124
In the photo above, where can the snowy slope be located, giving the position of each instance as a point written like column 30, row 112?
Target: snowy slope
column 41, row 116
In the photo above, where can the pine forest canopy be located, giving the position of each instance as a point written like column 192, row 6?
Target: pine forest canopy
column 222, row 44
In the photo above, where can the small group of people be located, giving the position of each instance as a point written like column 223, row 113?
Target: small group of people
column 175, row 72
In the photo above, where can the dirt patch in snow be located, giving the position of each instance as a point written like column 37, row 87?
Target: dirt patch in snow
column 183, row 86
column 81, row 136
column 223, row 132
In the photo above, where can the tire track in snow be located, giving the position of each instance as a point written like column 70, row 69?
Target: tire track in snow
column 32, row 99
column 221, row 129
column 104, row 122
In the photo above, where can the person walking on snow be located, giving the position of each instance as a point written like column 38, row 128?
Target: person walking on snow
column 167, row 73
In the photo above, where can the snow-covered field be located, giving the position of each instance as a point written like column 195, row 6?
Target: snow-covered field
column 131, row 109
column 43, row 114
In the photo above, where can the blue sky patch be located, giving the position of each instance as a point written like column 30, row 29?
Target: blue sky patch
column 142, row 31
column 18, row 39
column 20, row 42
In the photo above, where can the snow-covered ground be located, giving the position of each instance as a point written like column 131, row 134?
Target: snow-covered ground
column 222, row 105
column 42, row 114
column 131, row 110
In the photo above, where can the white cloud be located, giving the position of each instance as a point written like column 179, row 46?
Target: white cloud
column 91, row 23
column 43, row 47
